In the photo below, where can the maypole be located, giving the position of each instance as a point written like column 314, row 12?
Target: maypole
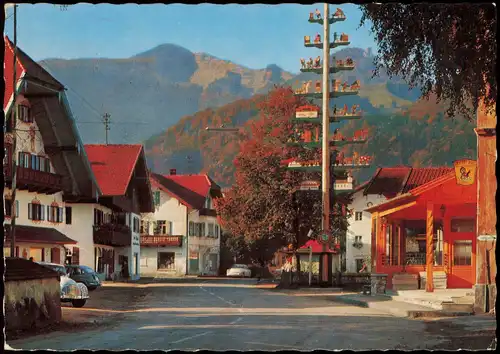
column 310, row 114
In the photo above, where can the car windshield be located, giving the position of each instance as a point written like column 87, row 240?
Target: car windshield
column 240, row 266
column 86, row 270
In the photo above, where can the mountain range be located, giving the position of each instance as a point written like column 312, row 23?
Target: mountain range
column 167, row 96
column 153, row 90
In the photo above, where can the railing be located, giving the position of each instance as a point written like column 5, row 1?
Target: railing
column 161, row 240
column 112, row 234
column 208, row 212
column 33, row 179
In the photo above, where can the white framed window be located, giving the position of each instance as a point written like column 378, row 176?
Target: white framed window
column 358, row 216
column 211, row 230
column 36, row 212
column 358, row 239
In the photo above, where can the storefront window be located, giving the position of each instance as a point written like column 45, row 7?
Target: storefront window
column 462, row 253
column 416, row 243
column 166, row 260
column 463, row 225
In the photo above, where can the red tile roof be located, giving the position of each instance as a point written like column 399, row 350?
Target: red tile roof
column 113, row 166
column 392, row 181
column 191, row 190
column 316, row 247
column 420, row 176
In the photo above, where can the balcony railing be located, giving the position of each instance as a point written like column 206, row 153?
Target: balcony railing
column 161, row 240
column 208, row 212
column 112, row 235
column 34, row 180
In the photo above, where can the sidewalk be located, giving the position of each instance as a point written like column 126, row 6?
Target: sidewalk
column 386, row 304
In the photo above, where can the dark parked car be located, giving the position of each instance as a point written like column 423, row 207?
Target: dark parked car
column 85, row 275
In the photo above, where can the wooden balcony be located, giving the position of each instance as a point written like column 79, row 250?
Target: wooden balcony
column 161, row 240
column 208, row 212
column 112, row 235
column 33, row 180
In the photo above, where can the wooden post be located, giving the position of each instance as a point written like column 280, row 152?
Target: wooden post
column 429, row 286
column 374, row 241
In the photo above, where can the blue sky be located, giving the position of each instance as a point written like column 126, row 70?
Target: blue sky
column 250, row 35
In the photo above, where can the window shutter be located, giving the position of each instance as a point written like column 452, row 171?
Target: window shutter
column 191, row 228
column 17, row 251
column 76, row 256
column 49, row 216
column 42, row 212
column 60, row 214
column 17, row 208
column 30, row 211
column 170, row 227
column 43, row 254
column 68, row 215
column 157, row 198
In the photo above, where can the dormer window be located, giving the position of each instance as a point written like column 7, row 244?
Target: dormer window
column 208, row 203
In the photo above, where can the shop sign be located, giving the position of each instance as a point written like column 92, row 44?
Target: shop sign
column 343, row 185
column 307, row 111
column 465, row 172
column 309, row 186
column 324, row 237
column 193, row 255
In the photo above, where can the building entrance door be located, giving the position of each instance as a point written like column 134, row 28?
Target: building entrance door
column 462, row 254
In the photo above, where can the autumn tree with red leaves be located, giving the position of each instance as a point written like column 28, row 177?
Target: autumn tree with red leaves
column 261, row 212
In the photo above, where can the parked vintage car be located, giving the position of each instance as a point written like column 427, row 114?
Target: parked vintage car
column 85, row 275
column 239, row 270
column 71, row 291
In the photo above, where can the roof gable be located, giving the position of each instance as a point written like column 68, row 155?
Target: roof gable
column 113, row 166
column 32, row 68
column 191, row 190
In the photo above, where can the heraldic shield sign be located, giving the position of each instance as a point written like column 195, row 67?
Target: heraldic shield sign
column 465, row 172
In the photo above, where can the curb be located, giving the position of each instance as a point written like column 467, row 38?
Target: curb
column 431, row 313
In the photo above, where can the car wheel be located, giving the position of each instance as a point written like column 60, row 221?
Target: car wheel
column 79, row 302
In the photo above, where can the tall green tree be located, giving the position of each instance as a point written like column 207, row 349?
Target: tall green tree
column 445, row 49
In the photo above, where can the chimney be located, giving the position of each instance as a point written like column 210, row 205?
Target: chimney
column 173, row 172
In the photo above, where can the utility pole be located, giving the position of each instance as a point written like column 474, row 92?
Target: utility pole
column 106, row 122
column 325, row 176
column 14, row 145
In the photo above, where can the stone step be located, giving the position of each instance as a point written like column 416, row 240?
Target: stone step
column 450, row 306
column 463, row 299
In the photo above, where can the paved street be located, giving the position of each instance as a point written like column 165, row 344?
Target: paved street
column 229, row 314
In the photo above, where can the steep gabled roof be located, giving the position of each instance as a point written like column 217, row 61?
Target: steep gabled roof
column 191, row 190
column 8, row 74
column 32, row 68
column 113, row 166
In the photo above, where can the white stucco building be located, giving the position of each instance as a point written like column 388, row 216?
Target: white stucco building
column 358, row 245
column 73, row 204
column 182, row 235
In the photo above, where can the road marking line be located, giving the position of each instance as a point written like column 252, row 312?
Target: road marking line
column 236, row 320
column 188, row 338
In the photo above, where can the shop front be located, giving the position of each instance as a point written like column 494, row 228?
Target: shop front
column 427, row 235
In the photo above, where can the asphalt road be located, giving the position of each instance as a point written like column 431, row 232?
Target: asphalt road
column 225, row 315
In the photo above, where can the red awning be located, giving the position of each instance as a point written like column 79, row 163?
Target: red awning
column 35, row 234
